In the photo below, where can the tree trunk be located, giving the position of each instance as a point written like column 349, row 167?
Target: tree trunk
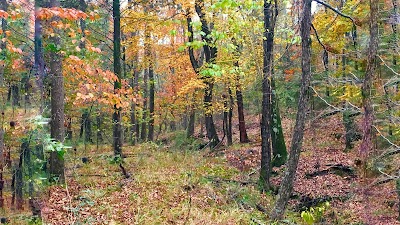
column 3, row 44
column 210, row 127
column 192, row 120
column 366, row 145
column 230, row 115
column 69, row 128
column 99, row 136
column 270, row 14
column 57, row 103
column 151, row 105
column 38, row 56
column 15, row 95
column 287, row 183
column 143, row 131
column 2, row 163
column 278, row 140
column 394, row 28
column 225, row 122
column 210, row 52
column 242, row 123
column 117, row 128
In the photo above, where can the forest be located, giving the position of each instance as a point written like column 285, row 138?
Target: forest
column 200, row 112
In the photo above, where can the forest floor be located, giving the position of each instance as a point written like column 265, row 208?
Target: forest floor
column 175, row 183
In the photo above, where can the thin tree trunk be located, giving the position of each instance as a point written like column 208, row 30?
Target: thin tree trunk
column 2, row 162
column 69, row 128
column 137, row 127
column 229, row 122
column 287, row 183
column 133, row 117
column 3, row 44
column 151, row 105
column 117, row 127
column 394, row 28
column 192, row 120
column 38, row 56
column 143, row 131
column 242, row 123
column 225, row 122
column 57, row 104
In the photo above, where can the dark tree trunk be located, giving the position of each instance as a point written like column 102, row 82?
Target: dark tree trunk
column 239, row 98
column 210, row 52
column 69, row 128
column 57, row 104
column 86, row 126
column 15, row 95
column 117, row 127
column 172, row 125
column 19, row 175
column 143, row 131
column 229, row 122
column 38, row 56
column 3, row 44
column 99, row 136
column 2, row 162
column 192, row 120
column 225, row 122
column 287, row 183
column 151, row 105
column 270, row 14
column 88, row 129
column 19, row 181
column 210, row 127
column 242, row 123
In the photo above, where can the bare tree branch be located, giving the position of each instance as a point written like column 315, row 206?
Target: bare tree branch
column 336, row 11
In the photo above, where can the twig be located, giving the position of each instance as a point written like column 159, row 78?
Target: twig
column 336, row 11
column 326, row 102
column 393, row 144
column 390, row 68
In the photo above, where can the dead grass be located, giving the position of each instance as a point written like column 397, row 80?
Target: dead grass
column 166, row 187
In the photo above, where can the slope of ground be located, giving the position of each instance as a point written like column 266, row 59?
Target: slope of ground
column 352, row 198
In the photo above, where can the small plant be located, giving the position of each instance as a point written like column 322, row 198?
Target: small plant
column 314, row 215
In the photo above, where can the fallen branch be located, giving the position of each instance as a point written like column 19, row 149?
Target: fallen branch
column 337, row 169
column 126, row 174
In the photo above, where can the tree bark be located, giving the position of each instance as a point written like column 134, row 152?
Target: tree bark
column 395, row 28
column 366, row 144
column 270, row 14
column 3, row 45
column 143, row 131
column 117, row 127
column 210, row 52
column 287, row 183
column 150, row 136
column 242, row 123
column 229, row 122
column 39, row 63
column 57, row 103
